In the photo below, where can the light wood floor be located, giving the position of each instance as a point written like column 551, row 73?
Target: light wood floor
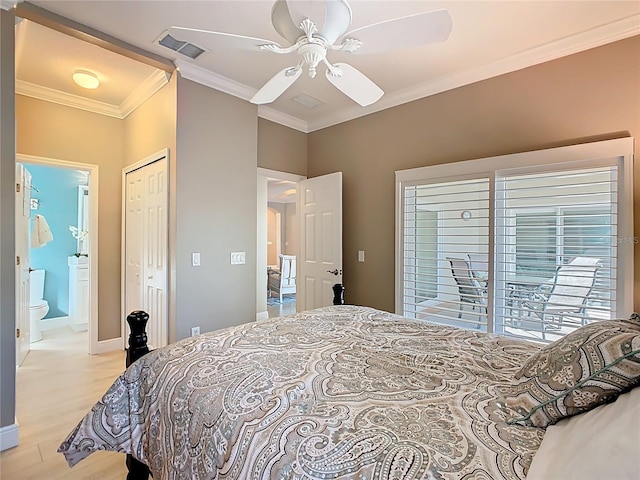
column 277, row 309
column 56, row 385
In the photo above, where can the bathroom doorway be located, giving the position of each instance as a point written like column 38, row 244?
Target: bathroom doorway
column 64, row 196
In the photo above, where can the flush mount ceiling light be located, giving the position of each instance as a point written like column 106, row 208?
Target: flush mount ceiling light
column 86, row 79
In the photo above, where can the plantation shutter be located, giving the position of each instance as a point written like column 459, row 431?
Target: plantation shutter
column 547, row 221
column 445, row 222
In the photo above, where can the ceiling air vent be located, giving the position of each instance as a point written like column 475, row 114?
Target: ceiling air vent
column 307, row 100
column 185, row 48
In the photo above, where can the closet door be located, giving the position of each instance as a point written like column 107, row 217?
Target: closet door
column 146, row 232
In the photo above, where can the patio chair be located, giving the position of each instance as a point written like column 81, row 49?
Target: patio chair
column 470, row 290
column 568, row 295
column 479, row 263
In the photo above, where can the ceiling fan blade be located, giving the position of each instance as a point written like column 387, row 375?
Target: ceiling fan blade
column 403, row 32
column 209, row 39
column 282, row 22
column 337, row 18
column 355, row 85
column 276, row 86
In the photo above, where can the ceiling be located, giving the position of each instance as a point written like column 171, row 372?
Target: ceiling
column 489, row 38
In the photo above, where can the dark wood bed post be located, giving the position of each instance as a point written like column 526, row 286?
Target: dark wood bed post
column 138, row 347
column 338, row 294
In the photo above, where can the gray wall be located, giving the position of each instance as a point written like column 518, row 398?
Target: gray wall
column 216, row 196
column 281, row 148
column 7, row 213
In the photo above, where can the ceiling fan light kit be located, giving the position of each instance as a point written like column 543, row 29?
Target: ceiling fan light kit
column 292, row 19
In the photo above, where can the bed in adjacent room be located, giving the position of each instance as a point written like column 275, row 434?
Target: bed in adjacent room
column 349, row 392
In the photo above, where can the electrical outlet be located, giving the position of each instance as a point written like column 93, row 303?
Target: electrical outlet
column 195, row 331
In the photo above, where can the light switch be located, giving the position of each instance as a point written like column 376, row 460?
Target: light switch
column 361, row 255
column 195, row 259
column 237, row 258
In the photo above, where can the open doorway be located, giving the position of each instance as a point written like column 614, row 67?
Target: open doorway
column 63, row 270
column 278, row 238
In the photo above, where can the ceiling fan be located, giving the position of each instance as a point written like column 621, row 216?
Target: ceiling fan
column 314, row 27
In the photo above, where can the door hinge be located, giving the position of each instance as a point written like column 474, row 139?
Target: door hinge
column 17, row 188
column 17, row 333
column 17, row 259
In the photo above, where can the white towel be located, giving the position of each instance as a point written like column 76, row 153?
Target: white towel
column 41, row 233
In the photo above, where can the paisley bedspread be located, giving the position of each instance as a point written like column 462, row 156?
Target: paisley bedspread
column 340, row 392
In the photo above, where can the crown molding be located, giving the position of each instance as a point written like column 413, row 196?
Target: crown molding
column 151, row 85
column 8, row 4
column 213, row 80
column 612, row 32
column 270, row 113
column 145, row 90
column 208, row 78
column 66, row 99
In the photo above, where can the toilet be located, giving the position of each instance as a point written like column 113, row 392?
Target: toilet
column 38, row 307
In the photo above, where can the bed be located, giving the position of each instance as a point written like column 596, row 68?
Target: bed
column 348, row 392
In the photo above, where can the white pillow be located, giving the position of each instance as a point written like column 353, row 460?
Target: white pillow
column 601, row 444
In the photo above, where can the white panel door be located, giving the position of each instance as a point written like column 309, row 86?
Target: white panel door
column 134, row 206
column 146, row 234
column 23, row 290
column 320, row 251
column 155, row 250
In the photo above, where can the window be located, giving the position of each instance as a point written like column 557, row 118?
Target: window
column 552, row 231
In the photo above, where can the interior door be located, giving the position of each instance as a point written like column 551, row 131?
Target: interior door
column 146, row 252
column 134, row 207
column 320, row 249
column 23, row 213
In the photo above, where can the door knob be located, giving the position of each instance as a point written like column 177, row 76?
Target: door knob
column 335, row 272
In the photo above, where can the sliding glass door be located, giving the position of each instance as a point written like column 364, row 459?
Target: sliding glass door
column 533, row 251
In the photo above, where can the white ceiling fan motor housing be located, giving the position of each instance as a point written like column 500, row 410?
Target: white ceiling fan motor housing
column 312, row 54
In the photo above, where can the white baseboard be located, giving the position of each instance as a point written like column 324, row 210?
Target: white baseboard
column 8, row 437
column 111, row 345
column 262, row 316
column 47, row 324
column 79, row 327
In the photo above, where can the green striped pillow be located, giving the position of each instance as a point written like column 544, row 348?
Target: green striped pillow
column 588, row 367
